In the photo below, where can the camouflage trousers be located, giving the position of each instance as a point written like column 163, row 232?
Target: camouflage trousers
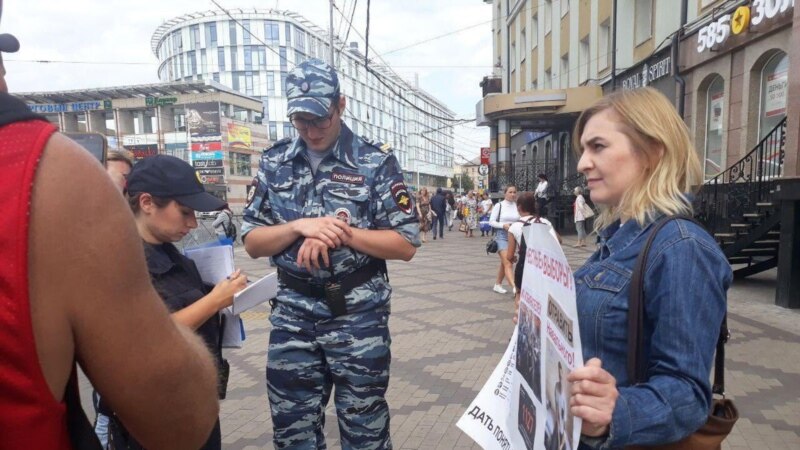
column 305, row 357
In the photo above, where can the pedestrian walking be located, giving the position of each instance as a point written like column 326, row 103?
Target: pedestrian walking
column 424, row 213
column 223, row 224
column 641, row 166
column 164, row 193
column 329, row 208
column 470, row 214
column 439, row 207
column 450, row 212
column 580, row 216
column 74, row 289
column 503, row 214
column 542, row 193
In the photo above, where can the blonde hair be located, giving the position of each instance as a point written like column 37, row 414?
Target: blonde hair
column 659, row 136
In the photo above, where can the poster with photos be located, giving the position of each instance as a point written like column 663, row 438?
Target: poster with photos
column 525, row 403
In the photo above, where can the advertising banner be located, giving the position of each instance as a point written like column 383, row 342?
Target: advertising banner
column 202, row 120
column 525, row 402
column 775, row 98
column 239, row 137
column 715, row 112
column 485, row 155
column 212, row 171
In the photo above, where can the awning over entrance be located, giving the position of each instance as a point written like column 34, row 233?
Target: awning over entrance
column 542, row 107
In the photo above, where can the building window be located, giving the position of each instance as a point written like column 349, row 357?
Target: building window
column 215, row 76
column 583, row 61
column 644, row 21
column 248, row 58
column 282, row 57
column 211, row 34
column 564, row 75
column 221, row 58
column 239, row 164
column 283, row 84
column 271, row 32
column 288, row 33
column 246, row 32
column 194, row 36
column 262, row 57
column 270, row 83
column 248, row 83
column 522, row 47
column 232, row 29
column 774, row 90
column 234, row 59
column 715, row 105
column 564, row 7
column 300, row 40
column 548, row 79
column 192, row 57
column 604, row 47
column 273, row 131
column 203, row 61
column 512, row 58
column 288, row 130
column 548, row 16
column 534, row 31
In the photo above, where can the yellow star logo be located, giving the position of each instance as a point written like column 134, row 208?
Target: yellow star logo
column 740, row 20
column 403, row 201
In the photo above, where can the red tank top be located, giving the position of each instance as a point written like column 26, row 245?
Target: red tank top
column 30, row 418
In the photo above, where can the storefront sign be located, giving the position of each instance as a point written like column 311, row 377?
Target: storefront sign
column 206, row 155
column 212, row 179
column 485, row 155
column 648, row 74
column 775, row 100
column 719, row 30
column 206, row 163
column 214, row 171
column 160, row 101
column 68, row 107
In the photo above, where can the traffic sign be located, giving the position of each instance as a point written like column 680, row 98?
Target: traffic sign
column 483, row 170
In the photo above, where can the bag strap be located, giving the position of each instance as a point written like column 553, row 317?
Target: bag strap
column 637, row 366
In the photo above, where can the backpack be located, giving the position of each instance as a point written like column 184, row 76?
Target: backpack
column 523, row 248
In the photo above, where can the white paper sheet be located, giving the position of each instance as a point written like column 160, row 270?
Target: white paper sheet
column 256, row 293
column 214, row 263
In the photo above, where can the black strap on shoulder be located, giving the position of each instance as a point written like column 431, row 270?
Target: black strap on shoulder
column 637, row 366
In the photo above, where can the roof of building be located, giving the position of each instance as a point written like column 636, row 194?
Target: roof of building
column 384, row 70
column 141, row 90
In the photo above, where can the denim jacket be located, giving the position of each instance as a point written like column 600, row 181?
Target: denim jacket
column 686, row 281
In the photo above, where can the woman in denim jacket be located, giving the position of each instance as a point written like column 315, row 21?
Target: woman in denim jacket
column 640, row 164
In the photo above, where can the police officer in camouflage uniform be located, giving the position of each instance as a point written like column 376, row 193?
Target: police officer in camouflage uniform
column 329, row 208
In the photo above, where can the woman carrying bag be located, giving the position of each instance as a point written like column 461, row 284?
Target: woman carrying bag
column 640, row 166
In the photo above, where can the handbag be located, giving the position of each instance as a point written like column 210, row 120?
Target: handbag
column 588, row 212
column 491, row 246
column 463, row 227
column 723, row 414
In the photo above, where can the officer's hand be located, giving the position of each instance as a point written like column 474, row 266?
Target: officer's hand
column 225, row 289
column 310, row 252
column 329, row 230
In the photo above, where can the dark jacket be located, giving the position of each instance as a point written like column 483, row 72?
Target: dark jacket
column 438, row 204
column 178, row 283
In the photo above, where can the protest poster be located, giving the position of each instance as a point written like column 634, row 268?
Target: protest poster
column 525, row 402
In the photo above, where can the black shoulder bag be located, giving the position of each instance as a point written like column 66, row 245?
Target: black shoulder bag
column 723, row 414
column 491, row 246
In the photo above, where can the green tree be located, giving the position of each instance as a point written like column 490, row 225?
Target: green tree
column 466, row 182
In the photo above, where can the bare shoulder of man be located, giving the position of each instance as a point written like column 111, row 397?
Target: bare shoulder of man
column 91, row 299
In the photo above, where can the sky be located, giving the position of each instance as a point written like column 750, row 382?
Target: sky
column 117, row 33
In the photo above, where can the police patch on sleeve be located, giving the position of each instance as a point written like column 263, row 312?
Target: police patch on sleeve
column 401, row 197
column 251, row 192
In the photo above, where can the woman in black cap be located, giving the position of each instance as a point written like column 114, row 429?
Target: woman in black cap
column 164, row 192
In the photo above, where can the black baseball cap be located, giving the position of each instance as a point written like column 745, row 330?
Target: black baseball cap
column 8, row 43
column 170, row 177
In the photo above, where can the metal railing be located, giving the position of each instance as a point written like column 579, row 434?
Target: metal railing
column 737, row 190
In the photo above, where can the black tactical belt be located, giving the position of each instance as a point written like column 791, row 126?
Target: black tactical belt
column 333, row 290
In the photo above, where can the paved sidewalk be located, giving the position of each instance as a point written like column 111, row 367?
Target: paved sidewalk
column 449, row 330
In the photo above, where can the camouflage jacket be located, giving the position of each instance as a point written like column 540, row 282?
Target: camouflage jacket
column 359, row 182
